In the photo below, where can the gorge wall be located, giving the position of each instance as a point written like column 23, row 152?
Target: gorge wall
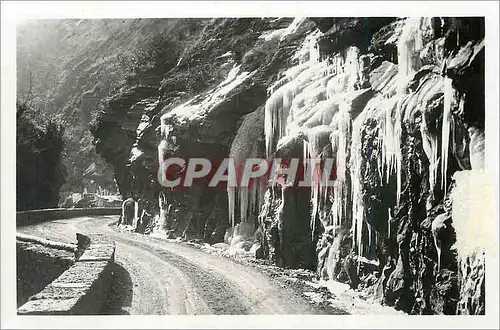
column 398, row 104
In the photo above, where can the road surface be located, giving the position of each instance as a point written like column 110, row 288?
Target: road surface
column 154, row 276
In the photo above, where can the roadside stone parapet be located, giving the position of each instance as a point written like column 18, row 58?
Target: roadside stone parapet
column 26, row 218
column 83, row 287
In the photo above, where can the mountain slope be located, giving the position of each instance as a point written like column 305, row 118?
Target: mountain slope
column 397, row 104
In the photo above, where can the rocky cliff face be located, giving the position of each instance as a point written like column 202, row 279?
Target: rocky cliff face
column 398, row 104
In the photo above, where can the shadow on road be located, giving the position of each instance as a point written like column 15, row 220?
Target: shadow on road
column 120, row 292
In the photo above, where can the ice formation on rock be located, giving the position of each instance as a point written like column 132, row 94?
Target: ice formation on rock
column 389, row 113
column 295, row 95
column 410, row 44
column 316, row 98
column 473, row 199
column 281, row 102
column 247, row 198
column 358, row 206
column 340, row 140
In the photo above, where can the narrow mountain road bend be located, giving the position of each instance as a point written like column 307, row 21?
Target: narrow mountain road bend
column 154, row 276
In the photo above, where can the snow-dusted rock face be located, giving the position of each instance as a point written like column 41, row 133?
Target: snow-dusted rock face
column 398, row 104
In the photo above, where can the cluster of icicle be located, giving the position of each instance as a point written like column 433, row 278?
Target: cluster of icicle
column 313, row 98
column 197, row 107
column 300, row 96
column 249, row 199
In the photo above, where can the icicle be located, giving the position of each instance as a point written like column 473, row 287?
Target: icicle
column 390, row 138
column 340, row 144
column 244, row 194
column 445, row 137
column 305, row 155
column 389, row 142
column 279, row 104
column 309, row 158
column 343, row 138
column 231, row 193
column 355, row 166
column 136, row 213
column 352, row 67
column 317, row 139
column 315, row 192
column 430, row 146
column 249, row 199
column 314, row 198
column 314, row 55
column 309, row 51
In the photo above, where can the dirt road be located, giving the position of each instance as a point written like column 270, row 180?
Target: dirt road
column 154, row 276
